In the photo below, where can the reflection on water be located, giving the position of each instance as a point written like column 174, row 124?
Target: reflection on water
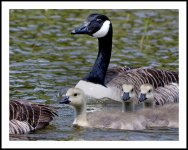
column 46, row 60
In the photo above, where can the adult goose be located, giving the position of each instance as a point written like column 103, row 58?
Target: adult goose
column 25, row 117
column 164, row 116
column 103, row 82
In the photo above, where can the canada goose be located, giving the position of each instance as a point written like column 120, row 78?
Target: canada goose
column 142, row 119
column 129, row 98
column 159, row 96
column 110, row 81
column 25, row 117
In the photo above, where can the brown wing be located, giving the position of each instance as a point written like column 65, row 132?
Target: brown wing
column 114, row 72
column 137, row 77
column 36, row 115
column 167, row 94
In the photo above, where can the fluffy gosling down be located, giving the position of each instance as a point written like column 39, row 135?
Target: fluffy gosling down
column 159, row 96
column 129, row 98
column 164, row 116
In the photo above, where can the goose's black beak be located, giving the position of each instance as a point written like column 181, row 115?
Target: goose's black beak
column 65, row 100
column 83, row 29
column 125, row 96
column 142, row 97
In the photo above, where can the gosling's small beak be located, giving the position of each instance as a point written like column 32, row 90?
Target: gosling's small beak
column 142, row 97
column 65, row 100
column 83, row 29
column 125, row 96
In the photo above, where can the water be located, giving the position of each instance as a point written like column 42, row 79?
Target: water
column 46, row 60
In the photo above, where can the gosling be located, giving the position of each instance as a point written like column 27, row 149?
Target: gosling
column 159, row 96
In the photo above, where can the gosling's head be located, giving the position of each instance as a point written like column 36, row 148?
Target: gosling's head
column 74, row 97
column 146, row 92
column 95, row 25
column 128, row 92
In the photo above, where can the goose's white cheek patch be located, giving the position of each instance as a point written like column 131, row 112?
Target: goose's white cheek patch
column 103, row 30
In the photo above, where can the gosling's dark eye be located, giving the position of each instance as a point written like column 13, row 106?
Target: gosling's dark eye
column 99, row 20
column 149, row 91
column 132, row 90
column 75, row 94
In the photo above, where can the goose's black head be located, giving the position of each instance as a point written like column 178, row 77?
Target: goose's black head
column 96, row 25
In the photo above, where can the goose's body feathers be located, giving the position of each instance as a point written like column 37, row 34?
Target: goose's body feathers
column 25, row 117
column 139, row 76
column 117, row 76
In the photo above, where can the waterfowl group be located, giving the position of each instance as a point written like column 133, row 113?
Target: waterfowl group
column 123, row 83
column 117, row 83
column 110, row 80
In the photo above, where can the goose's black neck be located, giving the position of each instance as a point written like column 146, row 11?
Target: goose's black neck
column 98, row 72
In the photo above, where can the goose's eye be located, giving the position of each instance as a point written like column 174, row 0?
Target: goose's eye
column 75, row 94
column 99, row 20
column 149, row 91
column 132, row 90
